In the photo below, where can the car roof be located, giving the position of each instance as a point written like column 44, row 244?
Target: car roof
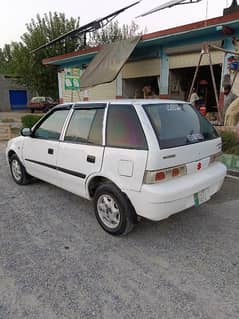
column 116, row 101
column 38, row 97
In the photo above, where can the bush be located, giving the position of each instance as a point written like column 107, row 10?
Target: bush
column 230, row 143
column 233, row 150
column 30, row 120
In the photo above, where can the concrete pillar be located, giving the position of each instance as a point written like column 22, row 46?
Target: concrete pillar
column 119, row 86
column 85, row 95
column 164, row 75
column 60, row 86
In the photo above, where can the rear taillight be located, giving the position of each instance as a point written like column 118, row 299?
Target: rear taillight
column 215, row 157
column 159, row 176
column 152, row 177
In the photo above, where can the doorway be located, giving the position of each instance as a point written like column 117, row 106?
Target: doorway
column 181, row 80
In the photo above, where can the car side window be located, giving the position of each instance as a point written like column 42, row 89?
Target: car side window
column 124, row 129
column 85, row 126
column 50, row 128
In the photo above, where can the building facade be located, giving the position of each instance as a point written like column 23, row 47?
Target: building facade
column 12, row 95
column 167, row 61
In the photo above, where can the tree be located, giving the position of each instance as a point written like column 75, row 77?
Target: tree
column 5, row 59
column 17, row 58
column 113, row 32
column 28, row 66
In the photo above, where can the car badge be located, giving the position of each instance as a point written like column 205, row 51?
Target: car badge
column 199, row 166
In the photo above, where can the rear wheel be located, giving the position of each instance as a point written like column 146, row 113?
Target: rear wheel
column 18, row 171
column 32, row 110
column 113, row 211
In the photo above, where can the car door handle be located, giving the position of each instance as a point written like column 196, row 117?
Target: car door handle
column 90, row 158
column 50, row 151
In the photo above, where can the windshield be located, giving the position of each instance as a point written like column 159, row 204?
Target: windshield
column 178, row 124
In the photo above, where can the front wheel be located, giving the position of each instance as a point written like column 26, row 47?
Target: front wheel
column 113, row 211
column 18, row 171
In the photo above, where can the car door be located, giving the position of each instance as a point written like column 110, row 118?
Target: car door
column 40, row 150
column 126, row 150
column 81, row 151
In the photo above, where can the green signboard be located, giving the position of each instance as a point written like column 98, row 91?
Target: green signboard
column 72, row 79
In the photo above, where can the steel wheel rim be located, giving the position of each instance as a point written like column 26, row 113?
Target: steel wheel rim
column 108, row 211
column 16, row 170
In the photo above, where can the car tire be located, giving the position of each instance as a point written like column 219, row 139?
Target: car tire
column 18, row 171
column 113, row 210
column 32, row 110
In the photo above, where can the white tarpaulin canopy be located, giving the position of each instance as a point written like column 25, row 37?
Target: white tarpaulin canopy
column 108, row 62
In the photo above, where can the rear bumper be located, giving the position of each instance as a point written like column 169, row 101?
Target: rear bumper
column 159, row 201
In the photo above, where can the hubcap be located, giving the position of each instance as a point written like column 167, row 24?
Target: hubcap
column 108, row 211
column 16, row 170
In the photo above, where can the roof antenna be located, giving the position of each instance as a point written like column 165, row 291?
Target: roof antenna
column 89, row 27
column 167, row 5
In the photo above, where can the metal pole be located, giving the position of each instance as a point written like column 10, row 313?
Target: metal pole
column 195, row 75
column 214, row 86
column 223, row 50
column 206, row 10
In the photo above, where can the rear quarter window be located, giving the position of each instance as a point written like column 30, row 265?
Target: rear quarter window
column 124, row 129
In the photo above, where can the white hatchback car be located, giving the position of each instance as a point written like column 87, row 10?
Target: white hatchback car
column 149, row 158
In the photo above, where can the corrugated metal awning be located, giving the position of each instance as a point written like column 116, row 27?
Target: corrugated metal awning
column 108, row 62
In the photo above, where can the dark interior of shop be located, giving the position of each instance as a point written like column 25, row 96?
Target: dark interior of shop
column 203, row 84
column 133, row 88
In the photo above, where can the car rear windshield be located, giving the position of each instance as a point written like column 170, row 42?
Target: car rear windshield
column 177, row 124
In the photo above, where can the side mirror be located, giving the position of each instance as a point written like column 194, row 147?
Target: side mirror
column 26, row 131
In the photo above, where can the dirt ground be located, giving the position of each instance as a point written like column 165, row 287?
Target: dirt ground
column 57, row 263
column 3, row 146
column 13, row 119
column 13, row 115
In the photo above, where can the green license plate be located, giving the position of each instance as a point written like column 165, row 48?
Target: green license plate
column 201, row 197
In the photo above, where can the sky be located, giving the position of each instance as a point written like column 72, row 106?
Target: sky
column 15, row 14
